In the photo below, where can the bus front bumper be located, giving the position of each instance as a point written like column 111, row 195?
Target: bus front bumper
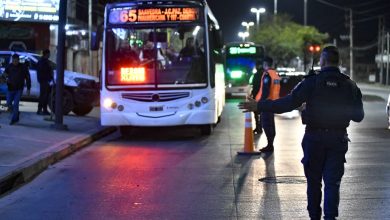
column 199, row 117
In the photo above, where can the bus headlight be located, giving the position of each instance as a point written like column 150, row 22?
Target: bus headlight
column 109, row 104
column 204, row 100
column 190, row 106
column 197, row 103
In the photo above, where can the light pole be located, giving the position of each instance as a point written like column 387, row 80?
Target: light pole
column 275, row 7
column 247, row 25
column 305, row 12
column 258, row 11
column 243, row 35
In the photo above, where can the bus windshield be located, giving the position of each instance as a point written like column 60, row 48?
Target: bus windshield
column 156, row 57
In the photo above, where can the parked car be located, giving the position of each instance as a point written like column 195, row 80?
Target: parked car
column 388, row 111
column 81, row 91
column 289, row 78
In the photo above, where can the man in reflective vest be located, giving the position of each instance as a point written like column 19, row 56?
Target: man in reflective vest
column 269, row 89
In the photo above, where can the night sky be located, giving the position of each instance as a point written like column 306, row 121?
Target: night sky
column 230, row 14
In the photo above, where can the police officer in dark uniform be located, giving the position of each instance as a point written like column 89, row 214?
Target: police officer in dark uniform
column 255, row 83
column 332, row 101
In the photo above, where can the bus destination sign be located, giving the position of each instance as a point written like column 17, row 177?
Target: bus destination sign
column 242, row 50
column 172, row 14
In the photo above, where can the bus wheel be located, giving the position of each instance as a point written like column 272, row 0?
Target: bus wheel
column 206, row 129
column 126, row 131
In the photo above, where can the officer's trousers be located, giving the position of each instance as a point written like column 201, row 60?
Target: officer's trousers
column 267, row 120
column 324, row 158
column 257, row 121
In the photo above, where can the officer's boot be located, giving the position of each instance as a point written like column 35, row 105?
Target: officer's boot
column 267, row 149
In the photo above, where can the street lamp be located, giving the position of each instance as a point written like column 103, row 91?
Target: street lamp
column 275, row 7
column 258, row 11
column 243, row 35
column 247, row 25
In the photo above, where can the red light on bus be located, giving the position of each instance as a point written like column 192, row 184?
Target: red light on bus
column 318, row 48
column 133, row 74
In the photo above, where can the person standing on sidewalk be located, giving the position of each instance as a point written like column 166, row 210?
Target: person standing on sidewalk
column 332, row 101
column 44, row 76
column 269, row 89
column 17, row 76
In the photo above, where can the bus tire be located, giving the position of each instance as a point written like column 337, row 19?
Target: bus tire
column 126, row 131
column 82, row 110
column 206, row 129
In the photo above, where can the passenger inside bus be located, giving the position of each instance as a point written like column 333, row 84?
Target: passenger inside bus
column 148, row 54
column 190, row 49
column 127, row 55
column 191, row 53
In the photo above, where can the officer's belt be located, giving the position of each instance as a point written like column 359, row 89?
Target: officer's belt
column 311, row 128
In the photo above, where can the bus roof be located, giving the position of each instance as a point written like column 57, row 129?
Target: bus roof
column 230, row 44
column 134, row 2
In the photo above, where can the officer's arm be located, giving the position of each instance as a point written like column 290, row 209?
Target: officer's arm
column 357, row 111
column 288, row 103
column 265, row 89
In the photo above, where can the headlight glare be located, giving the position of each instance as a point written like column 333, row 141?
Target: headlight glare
column 107, row 103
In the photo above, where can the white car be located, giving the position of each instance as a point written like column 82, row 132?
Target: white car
column 81, row 91
column 388, row 111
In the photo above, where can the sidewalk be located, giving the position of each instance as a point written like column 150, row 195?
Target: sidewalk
column 30, row 146
column 379, row 90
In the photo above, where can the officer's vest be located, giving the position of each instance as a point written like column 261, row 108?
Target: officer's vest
column 330, row 102
column 274, row 87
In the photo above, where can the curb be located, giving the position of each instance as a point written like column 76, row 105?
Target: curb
column 28, row 170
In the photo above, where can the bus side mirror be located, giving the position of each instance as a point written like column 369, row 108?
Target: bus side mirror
column 94, row 41
column 218, row 41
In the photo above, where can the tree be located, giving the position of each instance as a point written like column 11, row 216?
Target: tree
column 285, row 40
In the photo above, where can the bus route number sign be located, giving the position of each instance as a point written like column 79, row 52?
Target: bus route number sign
column 174, row 14
column 242, row 50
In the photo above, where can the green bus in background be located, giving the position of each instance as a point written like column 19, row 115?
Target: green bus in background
column 241, row 61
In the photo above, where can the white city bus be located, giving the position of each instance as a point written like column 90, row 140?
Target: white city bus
column 162, row 65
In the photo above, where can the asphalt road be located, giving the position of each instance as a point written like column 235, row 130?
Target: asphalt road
column 178, row 174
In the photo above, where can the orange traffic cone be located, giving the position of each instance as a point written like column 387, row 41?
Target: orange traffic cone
column 249, row 148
